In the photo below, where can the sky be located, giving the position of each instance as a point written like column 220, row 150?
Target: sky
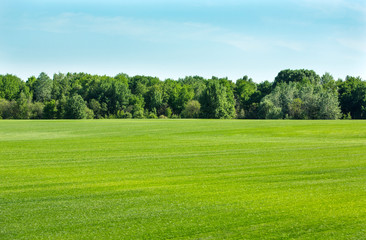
column 178, row 38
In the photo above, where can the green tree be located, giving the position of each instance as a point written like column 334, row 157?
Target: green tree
column 168, row 112
column 42, row 88
column 304, row 101
column 192, row 109
column 76, row 108
column 352, row 97
column 154, row 98
column 61, row 107
column 329, row 106
column 61, row 86
column 268, row 110
column 185, row 94
column 112, row 94
column 50, row 110
column 36, row 110
column 296, row 109
column 23, row 103
column 96, row 107
column 31, row 80
column 302, row 76
column 7, row 109
column 244, row 90
column 328, row 83
column 216, row 102
column 10, row 86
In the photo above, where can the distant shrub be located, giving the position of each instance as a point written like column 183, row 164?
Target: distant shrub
column 127, row 115
column 347, row 116
column 138, row 114
column 168, row 112
column 89, row 113
column 192, row 109
column 152, row 115
column 36, row 110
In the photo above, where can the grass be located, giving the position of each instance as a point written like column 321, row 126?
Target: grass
column 182, row 179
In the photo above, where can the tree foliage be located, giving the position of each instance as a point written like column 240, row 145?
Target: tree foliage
column 10, row 86
column 301, row 101
column 42, row 88
column 76, row 108
column 294, row 94
column 216, row 101
column 192, row 109
column 352, row 96
column 298, row 76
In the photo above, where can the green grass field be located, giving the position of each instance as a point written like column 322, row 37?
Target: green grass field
column 179, row 179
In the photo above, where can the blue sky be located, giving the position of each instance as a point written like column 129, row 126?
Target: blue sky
column 175, row 38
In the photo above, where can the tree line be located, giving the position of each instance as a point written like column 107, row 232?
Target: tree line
column 294, row 94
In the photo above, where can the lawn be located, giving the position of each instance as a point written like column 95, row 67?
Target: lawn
column 182, row 179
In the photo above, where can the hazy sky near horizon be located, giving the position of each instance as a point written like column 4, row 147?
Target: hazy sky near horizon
column 176, row 38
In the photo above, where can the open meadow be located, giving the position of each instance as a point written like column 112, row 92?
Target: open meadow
column 182, row 179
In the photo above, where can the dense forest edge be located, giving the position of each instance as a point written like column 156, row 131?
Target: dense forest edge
column 294, row 94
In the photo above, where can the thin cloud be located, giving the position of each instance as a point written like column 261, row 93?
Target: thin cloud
column 332, row 5
column 154, row 30
column 354, row 44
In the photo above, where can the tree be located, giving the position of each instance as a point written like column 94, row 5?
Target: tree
column 154, row 98
column 111, row 93
column 60, row 86
column 269, row 110
column 61, row 107
column 299, row 76
column 140, row 84
column 7, row 109
column 121, row 94
column 184, row 95
column 96, row 107
column 168, row 112
column 328, row 83
column 305, row 101
column 244, row 90
column 264, row 88
column 10, row 86
column 216, row 102
column 36, row 110
column 50, row 110
column 296, row 94
column 352, row 97
column 23, row 106
column 252, row 111
column 192, row 109
column 171, row 95
column 76, row 108
column 123, row 78
column 42, row 88
column 329, row 106
column 31, row 80
column 296, row 109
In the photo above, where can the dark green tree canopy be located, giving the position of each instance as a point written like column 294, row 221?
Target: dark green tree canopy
column 299, row 76
column 352, row 94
